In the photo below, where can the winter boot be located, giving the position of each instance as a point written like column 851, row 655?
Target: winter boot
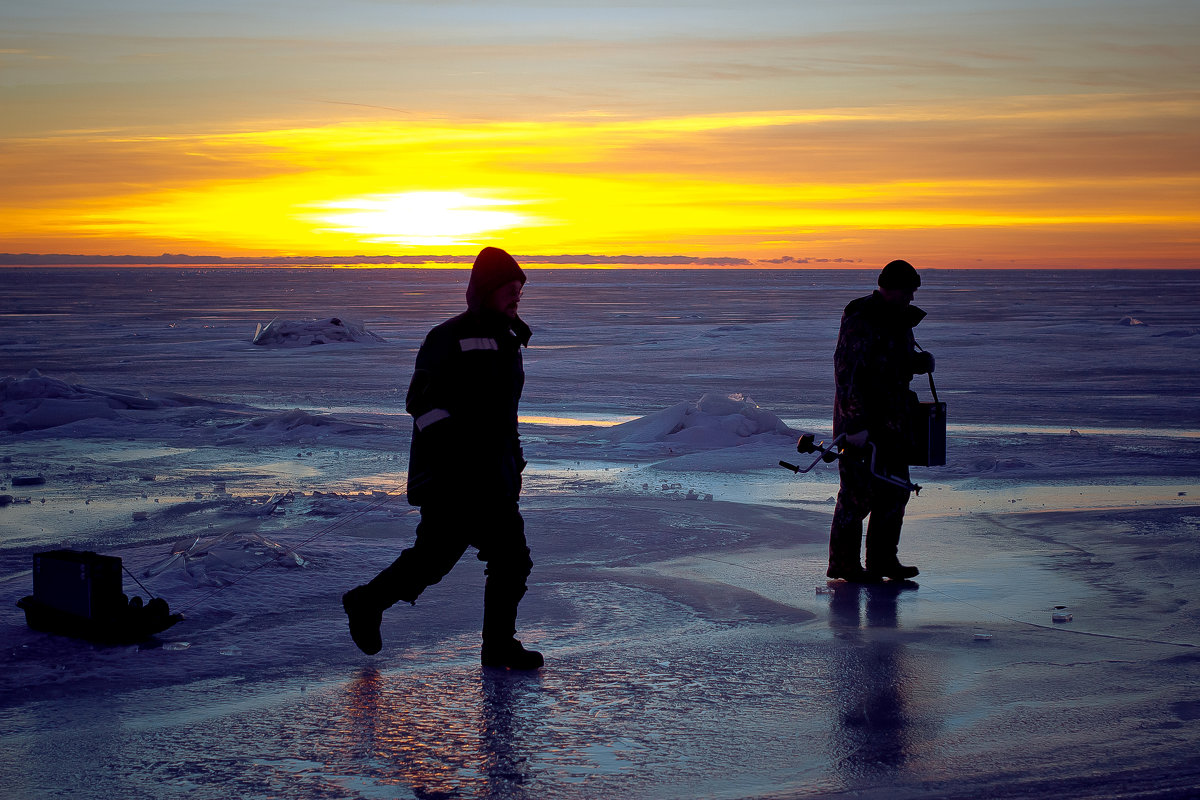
column 509, row 654
column 365, row 619
column 896, row 571
column 853, row 574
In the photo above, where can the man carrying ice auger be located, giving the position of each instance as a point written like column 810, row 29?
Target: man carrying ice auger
column 465, row 466
column 875, row 359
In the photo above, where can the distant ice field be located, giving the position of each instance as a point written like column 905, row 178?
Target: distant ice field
column 694, row 647
column 1074, row 349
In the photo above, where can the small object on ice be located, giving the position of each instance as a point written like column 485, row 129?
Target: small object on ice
column 139, row 516
column 1060, row 616
column 1074, row 432
column 148, row 478
column 28, row 480
column 1131, row 322
column 982, row 637
column 825, row 589
column 78, row 593
column 176, row 645
column 691, row 495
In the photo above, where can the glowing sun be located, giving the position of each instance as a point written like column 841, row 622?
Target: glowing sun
column 420, row 218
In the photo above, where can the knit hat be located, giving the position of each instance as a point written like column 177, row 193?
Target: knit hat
column 492, row 269
column 899, row 275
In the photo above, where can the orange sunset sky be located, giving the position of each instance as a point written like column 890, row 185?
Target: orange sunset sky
column 955, row 134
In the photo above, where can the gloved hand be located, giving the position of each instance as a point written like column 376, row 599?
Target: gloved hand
column 922, row 362
column 858, row 439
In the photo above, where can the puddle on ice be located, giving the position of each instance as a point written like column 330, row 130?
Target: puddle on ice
column 820, row 492
column 593, row 420
column 293, row 470
column 936, row 501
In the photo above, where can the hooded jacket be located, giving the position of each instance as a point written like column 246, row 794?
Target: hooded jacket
column 463, row 399
column 874, row 363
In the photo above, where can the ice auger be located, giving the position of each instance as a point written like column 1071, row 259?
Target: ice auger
column 836, row 449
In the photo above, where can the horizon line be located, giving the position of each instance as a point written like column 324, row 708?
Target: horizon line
column 453, row 261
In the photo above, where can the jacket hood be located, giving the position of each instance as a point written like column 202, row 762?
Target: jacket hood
column 492, row 269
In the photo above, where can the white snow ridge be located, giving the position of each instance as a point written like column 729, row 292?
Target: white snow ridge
column 303, row 333
column 37, row 402
column 715, row 420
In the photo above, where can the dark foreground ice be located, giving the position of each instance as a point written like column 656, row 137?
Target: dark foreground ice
column 694, row 648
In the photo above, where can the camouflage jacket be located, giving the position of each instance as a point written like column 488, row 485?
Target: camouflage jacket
column 873, row 365
column 463, row 399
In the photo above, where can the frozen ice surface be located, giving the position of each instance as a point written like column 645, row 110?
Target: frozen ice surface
column 687, row 652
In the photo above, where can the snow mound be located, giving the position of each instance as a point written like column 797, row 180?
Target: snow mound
column 715, row 420
column 37, row 402
column 304, row 333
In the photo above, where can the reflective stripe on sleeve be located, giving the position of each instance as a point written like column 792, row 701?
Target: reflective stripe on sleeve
column 478, row 343
column 430, row 417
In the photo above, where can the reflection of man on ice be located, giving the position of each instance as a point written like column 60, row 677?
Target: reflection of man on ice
column 465, row 466
column 875, row 359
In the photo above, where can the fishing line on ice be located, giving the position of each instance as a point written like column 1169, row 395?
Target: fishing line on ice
column 1056, row 628
column 135, row 580
column 339, row 522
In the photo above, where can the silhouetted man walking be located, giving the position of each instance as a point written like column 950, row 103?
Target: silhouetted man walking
column 875, row 360
column 465, row 466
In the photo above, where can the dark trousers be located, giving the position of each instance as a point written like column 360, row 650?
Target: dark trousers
column 496, row 530
column 860, row 495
